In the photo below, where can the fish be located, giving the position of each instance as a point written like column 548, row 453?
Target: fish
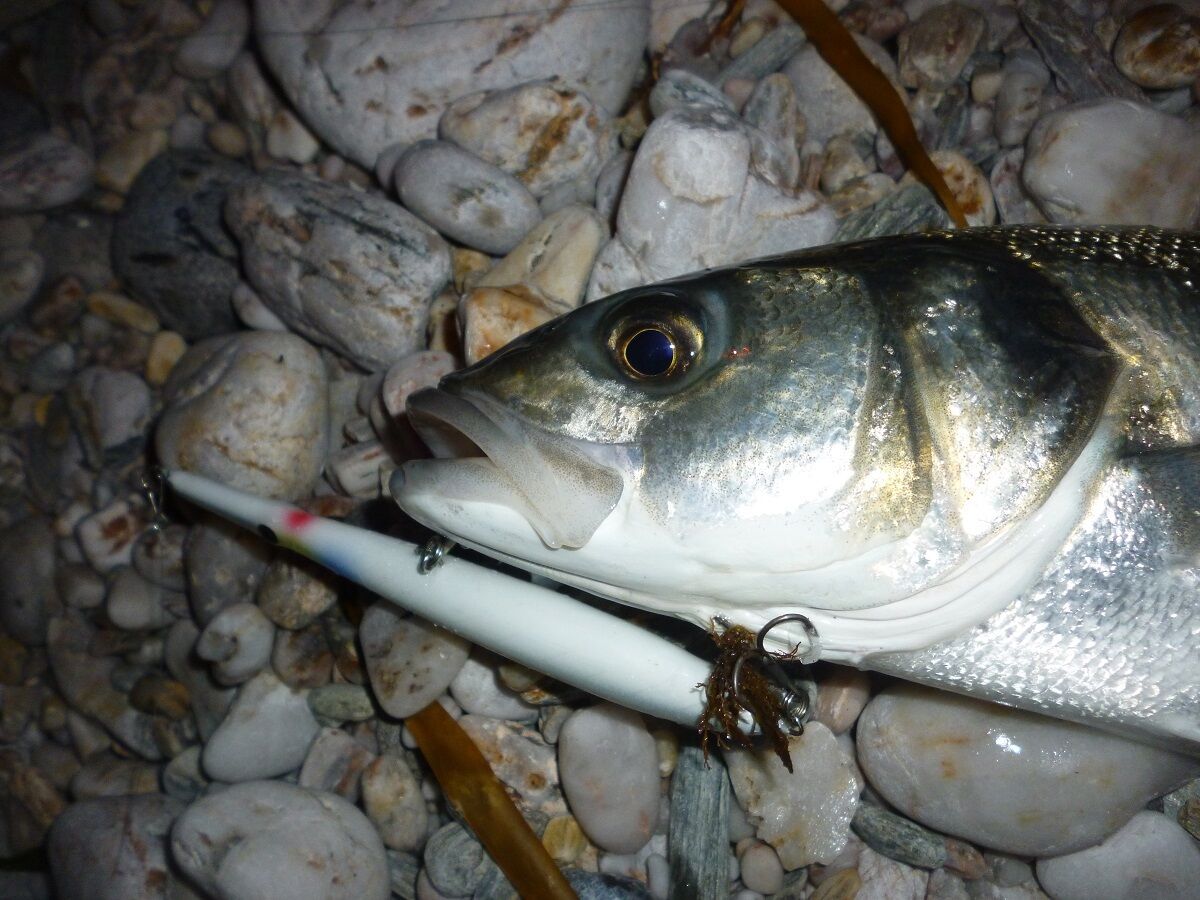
column 964, row 458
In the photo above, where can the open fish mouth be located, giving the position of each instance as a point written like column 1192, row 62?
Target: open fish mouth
column 487, row 455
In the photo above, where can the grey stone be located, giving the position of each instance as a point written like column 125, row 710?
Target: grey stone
column 224, row 418
column 464, row 197
column 182, row 777
column 40, row 171
column 237, row 642
column 21, row 273
column 546, row 134
column 294, row 591
column 767, row 55
column 598, row 886
column 112, row 410
column 393, row 801
column 1073, row 52
column 898, row 838
column 454, row 861
column 209, row 700
column 74, row 242
column 346, row 269
column 158, row 556
column 224, row 565
column 170, row 245
column 335, row 763
column 403, row 869
column 697, row 842
column 212, row 48
column 28, row 593
column 909, row 209
column 680, row 88
column 409, row 661
column 363, row 84
column 272, row 839
column 266, row 732
column 341, row 703
column 114, row 848
column 828, row 104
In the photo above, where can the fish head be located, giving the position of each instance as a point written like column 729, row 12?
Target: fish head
column 686, row 446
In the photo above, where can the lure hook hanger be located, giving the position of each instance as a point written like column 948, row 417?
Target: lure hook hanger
column 153, row 481
column 795, row 699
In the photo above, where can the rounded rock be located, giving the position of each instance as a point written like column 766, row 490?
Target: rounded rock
column 237, row 642
column 1150, row 856
column 224, row 565
column 544, row 133
column 477, row 689
column 828, row 104
column 114, row 847
column 392, row 798
column 266, row 732
column 170, row 245
column 363, row 84
column 294, row 592
column 934, row 49
column 41, row 171
column 1159, row 47
column 346, row 269
column 1006, row 779
column 268, row 838
column 465, row 198
column 21, row 273
column 609, row 770
column 249, row 410
column 409, row 661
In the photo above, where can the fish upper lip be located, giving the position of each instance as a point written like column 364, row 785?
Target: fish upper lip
column 565, row 488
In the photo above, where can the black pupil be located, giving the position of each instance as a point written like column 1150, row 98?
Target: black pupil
column 650, row 352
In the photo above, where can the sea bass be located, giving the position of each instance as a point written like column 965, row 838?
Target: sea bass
column 969, row 458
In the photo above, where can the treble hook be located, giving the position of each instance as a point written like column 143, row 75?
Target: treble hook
column 153, row 481
column 797, row 704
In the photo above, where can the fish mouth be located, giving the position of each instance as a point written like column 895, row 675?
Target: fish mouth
column 487, row 455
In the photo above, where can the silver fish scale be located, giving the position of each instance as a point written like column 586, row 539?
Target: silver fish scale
column 1107, row 636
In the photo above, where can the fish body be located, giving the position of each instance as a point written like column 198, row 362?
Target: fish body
column 969, row 458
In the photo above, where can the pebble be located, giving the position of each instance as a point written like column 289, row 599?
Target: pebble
column 224, row 564
column 886, row 879
column 609, row 771
column 364, row 85
column 1159, row 47
column 1150, row 856
column 897, row 838
column 212, row 48
column 119, row 165
column 681, row 88
column 302, row 659
column 564, row 840
column 455, row 863
column 112, row 847
column 42, row 171
column 412, row 373
column 968, row 184
column 692, row 170
column 1114, row 162
column 1071, row 48
column 409, row 661
column 170, row 245
column 158, row 556
column 114, row 409
column 157, row 695
column 697, row 838
column 108, row 535
column 1014, row 205
column 290, row 141
column 341, row 703
column 844, row 885
column 392, row 799
column 1018, row 101
column 346, row 269
column 107, row 775
column 598, row 886
column 925, row 750
column 267, row 838
column 135, row 603
column 335, row 763
column 935, row 48
column 32, row 803
column 842, row 692
column 546, row 134
column 182, row 777
column 266, row 732
column 521, row 760
column 772, row 112
column 477, row 688
column 464, row 197
column 294, row 592
column 21, row 273
column 761, row 869
column 237, row 642
column 223, row 419
column 805, row 816
column 227, row 139
column 828, row 104
column 767, row 55
column 28, row 592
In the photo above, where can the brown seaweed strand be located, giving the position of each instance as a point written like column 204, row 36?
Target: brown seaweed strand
column 471, row 787
column 733, row 12
column 753, row 693
column 838, row 48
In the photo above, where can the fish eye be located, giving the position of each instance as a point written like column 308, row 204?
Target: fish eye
column 649, row 352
